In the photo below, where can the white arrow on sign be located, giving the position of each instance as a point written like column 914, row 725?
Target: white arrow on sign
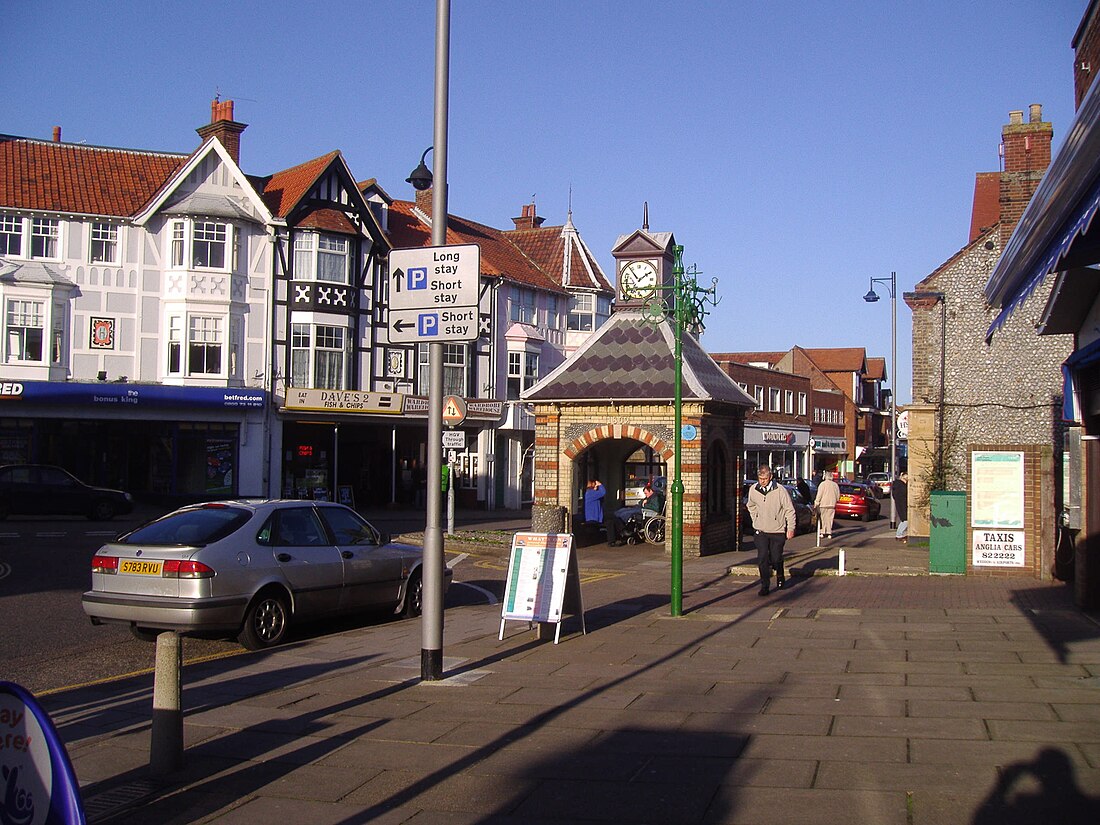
column 408, row 326
column 435, row 277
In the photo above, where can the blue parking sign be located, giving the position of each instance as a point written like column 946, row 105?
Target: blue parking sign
column 427, row 324
column 417, row 277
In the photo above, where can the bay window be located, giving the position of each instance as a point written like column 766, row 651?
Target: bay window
column 202, row 245
column 322, row 257
column 318, row 356
column 40, row 236
column 23, row 331
column 205, row 343
column 523, row 372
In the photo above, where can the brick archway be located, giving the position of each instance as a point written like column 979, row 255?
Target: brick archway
column 617, row 431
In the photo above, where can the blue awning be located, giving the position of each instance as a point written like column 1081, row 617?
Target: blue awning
column 1059, row 214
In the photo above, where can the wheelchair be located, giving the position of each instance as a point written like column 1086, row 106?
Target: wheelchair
column 645, row 527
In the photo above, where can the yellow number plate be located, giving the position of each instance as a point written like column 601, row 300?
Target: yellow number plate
column 138, row 567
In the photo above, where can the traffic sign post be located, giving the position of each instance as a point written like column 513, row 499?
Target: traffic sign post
column 434, row 294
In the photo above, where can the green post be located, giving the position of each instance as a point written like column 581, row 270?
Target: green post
column 677, row 533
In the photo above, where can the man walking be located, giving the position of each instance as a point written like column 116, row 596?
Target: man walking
column 772, row 513
column 900, row 493
column 828, row 493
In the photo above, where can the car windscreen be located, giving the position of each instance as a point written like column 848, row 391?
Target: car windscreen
column 848, row 490
column 202, row 525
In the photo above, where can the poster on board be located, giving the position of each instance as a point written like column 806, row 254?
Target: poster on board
column 543, row 581
column 997, row 481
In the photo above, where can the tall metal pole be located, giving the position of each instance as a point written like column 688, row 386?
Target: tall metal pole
column 677, row 536
column 431, row 652
column 893, row 396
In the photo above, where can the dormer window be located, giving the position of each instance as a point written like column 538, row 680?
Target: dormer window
column 203, row 244
column 321, row 257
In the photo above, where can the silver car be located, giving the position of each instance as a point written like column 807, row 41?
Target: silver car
column 250, row 568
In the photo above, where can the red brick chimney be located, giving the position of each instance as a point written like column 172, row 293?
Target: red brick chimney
column 528, row 219
column 56, row 134
column 1026, row 151
column 224, row 128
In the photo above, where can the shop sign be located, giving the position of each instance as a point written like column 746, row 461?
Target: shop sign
column 378, row 403
column 118, row 394
column 778, row 438
column 830, row 445
column 479, row 409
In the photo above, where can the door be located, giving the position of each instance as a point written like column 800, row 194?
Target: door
column 310, row 562
column 373, row 572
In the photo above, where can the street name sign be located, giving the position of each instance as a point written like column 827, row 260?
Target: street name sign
column 434, row 294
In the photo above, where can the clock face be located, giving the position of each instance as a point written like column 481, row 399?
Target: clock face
column 638, row 279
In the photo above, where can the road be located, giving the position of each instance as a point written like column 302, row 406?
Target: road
column 48, row 643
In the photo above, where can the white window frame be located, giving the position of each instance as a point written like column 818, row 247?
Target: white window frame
column 25, row 330
column 773, row 399
column 45, row 240
column 206, row 335
column 582, row 312
column 104, row 240
column 174, row 361
column 11, row 230
column 802, row 402
column 758, row 394
column 455, row 368
column 523, row 372
column 312, row 250
column 788, row 401
column 187, row 235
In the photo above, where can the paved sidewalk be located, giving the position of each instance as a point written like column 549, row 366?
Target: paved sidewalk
column 868, row 698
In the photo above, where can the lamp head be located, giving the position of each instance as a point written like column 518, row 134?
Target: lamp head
column 871, row 296
column 421, row 176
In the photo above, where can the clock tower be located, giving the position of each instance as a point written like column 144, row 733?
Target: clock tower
column 643, row 267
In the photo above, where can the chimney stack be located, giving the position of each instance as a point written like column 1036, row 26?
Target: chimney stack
column 1026, row 149
column 528, row 219
column 224, row 128
column 56, row 134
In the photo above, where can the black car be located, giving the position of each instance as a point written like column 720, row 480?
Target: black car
column 805, row 517
column 45, row 490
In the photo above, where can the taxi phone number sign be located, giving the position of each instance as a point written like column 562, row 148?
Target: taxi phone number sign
column 998, row 548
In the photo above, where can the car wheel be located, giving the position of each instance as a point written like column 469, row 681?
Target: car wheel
column 866, row 516
column 414, row 597
column 265, row 623
column 102, row 511
column 144, row 634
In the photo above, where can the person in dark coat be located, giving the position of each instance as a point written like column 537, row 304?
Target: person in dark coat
column 900, row 493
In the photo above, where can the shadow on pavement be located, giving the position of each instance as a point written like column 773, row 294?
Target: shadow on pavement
column 1043, row 790
column 1060, row 628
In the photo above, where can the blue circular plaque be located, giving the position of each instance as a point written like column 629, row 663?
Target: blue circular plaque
column 689, row 432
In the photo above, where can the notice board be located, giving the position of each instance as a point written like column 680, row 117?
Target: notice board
column 543, row 581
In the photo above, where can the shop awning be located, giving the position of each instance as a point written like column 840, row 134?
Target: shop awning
column 1057, row 230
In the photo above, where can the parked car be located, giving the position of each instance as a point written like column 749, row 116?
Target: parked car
column 857, row 501
column 805, row 517
column 250, row 569
column 45, row 490
column 882, row 481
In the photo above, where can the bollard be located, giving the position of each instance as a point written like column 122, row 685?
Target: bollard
column 166, row 735
column 840, row 564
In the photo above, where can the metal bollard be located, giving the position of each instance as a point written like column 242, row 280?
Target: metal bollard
column 166, row 736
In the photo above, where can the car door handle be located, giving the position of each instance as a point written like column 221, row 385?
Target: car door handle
column 347, row 554
column 284, row 557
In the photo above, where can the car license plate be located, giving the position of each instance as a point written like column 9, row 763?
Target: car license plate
column 139, row 567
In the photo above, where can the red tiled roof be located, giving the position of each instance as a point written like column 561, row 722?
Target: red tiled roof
column 876, row 369
column 283, row 190
column 987, row 203
column 328, row 220
column 546, row 247
column 86, row 180
column 838, row 359
column 499, row 256
column 771, row 358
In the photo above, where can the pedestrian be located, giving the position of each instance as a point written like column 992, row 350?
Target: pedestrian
column 653, row 502
column 828, row 493
column 593, row 502
column 773, row 519
column 899, row 491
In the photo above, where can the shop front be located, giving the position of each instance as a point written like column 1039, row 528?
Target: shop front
column 829, row 454
column 784, row 449
column 160, row 443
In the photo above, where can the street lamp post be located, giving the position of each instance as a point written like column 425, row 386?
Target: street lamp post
column 871, row 297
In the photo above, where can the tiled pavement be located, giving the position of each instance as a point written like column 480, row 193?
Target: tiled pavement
column 868, row 698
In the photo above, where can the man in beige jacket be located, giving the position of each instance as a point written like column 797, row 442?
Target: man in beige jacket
column 828, row 493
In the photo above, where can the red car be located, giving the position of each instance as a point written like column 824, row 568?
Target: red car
column 857, row 501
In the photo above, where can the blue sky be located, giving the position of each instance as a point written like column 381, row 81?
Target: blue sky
column 795, row 148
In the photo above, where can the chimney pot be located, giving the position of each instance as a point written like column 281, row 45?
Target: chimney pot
column 1035, row 112
column 56, row 134
column 1016, row 118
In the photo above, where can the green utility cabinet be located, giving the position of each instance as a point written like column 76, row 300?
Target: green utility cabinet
column 947, row 533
